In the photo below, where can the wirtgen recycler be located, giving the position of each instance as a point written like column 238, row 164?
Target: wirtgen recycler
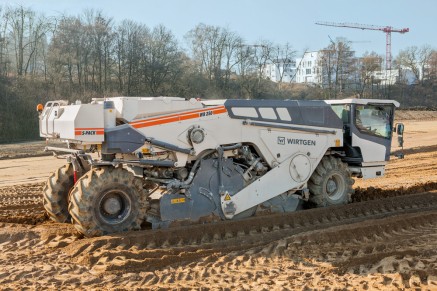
column 169, row 160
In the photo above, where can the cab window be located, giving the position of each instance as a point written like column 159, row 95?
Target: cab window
column 342, row 111
column 374, row 119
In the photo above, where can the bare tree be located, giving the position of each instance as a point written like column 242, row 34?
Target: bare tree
column 4, row 59
column 368, row 65
column 129, row 48
column 247, row 74
column 215, row 51
column 337, row 64
column 416, row 59
column 28, row 32
column 64, row 46
column 253, row 59
column 232, row 46
column 161, row 59
column 326, row 61
column 70, row 53
column 103, row 38
column 99, row 38
column 205, row 46
column 432, row 64
column 283, row 57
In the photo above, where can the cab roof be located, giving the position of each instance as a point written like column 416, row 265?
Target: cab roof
column 363, row 101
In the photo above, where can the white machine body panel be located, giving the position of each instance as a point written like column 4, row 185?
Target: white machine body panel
column 290, row 144
column 80, row 123
column 372, row 152
column 134, row 108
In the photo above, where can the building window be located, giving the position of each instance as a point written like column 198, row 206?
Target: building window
column 308, row 71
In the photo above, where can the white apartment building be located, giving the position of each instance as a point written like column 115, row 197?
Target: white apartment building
column 390, row 77
column 308, row 70
column 282, row 70
column 301, row 70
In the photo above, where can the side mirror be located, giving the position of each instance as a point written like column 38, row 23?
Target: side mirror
column 399, row 128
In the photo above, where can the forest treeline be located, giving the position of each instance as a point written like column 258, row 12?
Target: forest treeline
column 90, row 55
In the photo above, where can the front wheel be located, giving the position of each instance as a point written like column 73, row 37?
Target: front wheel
column 55, row 193
column 107, row 200
column 331, row 183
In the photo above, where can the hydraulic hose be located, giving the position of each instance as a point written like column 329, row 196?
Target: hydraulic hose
column 184, row 184
column 178, row 184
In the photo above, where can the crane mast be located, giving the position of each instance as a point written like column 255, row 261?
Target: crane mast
column 387, row 29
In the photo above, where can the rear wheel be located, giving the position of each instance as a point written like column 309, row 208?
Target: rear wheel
column 107, row 200
column 331, row 183
column 55, row 193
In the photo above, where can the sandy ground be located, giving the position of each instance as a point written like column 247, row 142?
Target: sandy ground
column 397, row 252
column 420, row 162
column 27, row 170
column 27, row 163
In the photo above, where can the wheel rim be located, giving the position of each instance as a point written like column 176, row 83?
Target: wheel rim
column 114, row 207
column 335, row 186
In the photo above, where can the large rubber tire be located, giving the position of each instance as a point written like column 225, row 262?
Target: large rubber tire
column 107, row 200
column 331, row 183
column 55, row 193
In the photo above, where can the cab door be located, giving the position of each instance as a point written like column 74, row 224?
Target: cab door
column 371, row 131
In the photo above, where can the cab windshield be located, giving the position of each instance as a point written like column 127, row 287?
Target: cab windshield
column 374, row 119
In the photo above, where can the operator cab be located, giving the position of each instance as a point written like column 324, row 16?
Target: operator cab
column 368, row 127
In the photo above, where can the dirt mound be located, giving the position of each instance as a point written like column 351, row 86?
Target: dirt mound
column 27, row 149
column 372, row 193
column 394, row 252
column 22, row 204
column 403, row 115
column 398, row 252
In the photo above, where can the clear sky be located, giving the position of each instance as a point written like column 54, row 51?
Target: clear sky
column 279, row 21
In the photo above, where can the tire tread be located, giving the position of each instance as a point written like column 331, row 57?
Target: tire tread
column 55, row 193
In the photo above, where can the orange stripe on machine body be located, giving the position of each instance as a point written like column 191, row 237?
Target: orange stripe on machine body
column 176, row 114
column 179, row 117
column 89, row 131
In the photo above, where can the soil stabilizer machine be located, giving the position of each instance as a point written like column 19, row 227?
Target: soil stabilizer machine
column 168, row 161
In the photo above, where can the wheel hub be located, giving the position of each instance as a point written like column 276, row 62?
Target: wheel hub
column 331, row 186
column 112, row 206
